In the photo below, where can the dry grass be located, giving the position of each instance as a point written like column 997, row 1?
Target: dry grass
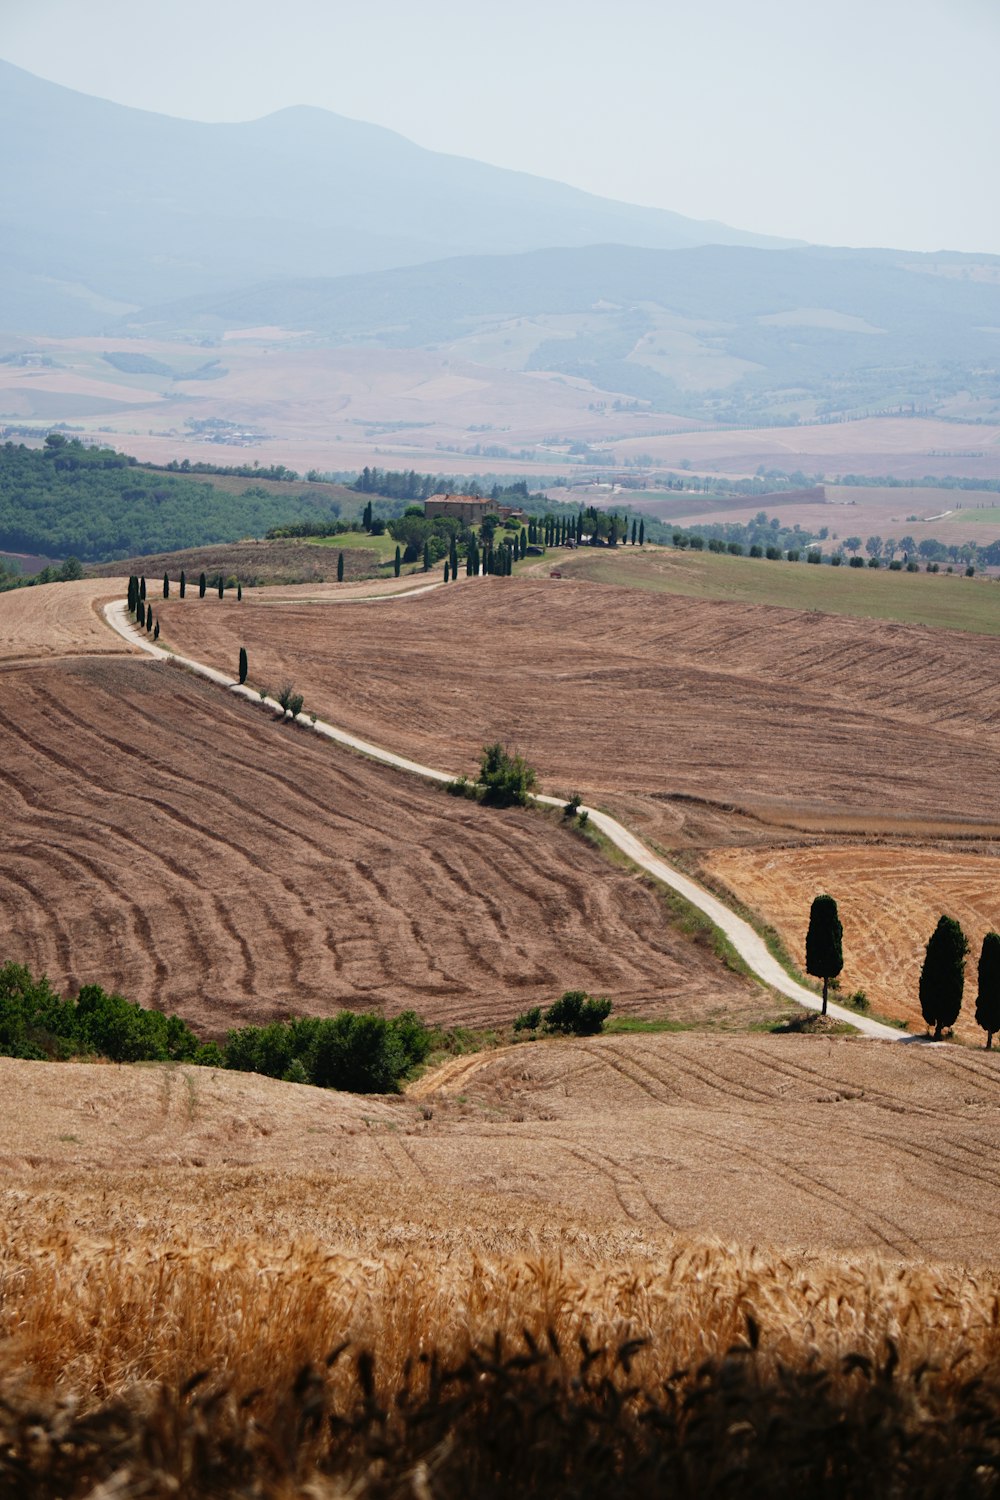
column 150, row 1362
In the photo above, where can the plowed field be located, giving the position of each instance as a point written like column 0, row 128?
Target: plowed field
column 641, row 702
column 162, row 838
column 785, row 1140
column 889, row 902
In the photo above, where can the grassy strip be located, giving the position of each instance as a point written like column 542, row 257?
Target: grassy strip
column 773, row 940
column 941, row 601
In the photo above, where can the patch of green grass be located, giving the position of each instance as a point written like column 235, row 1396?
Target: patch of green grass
column 631, row 1024
column 353, row 541
column 944, row 601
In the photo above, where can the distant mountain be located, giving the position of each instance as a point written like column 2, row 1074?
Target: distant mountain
column 105, row 207
column 716, row 331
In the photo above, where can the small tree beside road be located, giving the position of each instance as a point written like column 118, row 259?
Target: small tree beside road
column 942, row 977
column 824, row 943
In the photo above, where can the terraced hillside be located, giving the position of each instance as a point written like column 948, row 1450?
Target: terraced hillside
column 644, row 703
column 186, row 848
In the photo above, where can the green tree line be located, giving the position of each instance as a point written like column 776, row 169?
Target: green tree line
column 99, row 505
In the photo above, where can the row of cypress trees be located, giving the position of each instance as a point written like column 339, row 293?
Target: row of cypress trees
column 942, row 975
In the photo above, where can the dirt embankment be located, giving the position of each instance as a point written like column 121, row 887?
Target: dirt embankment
column 57, row 620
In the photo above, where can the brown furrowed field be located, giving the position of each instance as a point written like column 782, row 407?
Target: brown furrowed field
column 187, row 849
column 889, row 901
column 251, row 562
column 644, row 702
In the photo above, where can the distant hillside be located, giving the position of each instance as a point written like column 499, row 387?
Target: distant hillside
column 726, row 332
column 96, row 504
column 164, row 208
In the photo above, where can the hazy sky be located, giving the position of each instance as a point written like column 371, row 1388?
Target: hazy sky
column 859, row 122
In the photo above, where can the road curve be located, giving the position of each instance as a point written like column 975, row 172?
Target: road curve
column 748, row 943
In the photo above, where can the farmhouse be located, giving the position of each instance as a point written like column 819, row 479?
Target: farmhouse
column 470, row 509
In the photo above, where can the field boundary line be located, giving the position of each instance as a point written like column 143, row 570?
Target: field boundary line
column 748, row 943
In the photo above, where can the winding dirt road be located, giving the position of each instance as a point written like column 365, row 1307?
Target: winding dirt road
column 748, row 944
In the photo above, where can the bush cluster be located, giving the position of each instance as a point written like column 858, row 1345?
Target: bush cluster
column 37, row 1023
column 575, row 1013
column 359, row 1053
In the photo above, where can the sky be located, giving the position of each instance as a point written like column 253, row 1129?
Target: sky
column 847, row 122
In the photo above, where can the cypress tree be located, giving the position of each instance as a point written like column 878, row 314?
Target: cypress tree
column 131, row 594
column 239, row 592
column 166, row 586
column 202, row 583
column 579, row 527
column 221, row 586
column 397, row 561
column 988, row 998
column 183, row 585
column 149, row 619
column 366, row 517
column 635, row 529
column 427, row 557
column 446, row 567
column 156, row 631
column 140, row 614
column 142, row 589
column 243, row 664
column 942, row 977
column 340, row 567
column 642, row 533
column 824, row 950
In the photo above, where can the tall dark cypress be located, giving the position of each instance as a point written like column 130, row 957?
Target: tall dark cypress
column 183, row 584
column 202, row 585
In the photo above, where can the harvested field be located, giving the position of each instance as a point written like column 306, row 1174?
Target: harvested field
column 56, row 620
column 645, row 702
column 810, row 1142
column 191, row 851
column 281, row 561
column 889, row 901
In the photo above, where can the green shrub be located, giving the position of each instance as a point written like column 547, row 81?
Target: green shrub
column 529, row 1020
column 577, row 1014
column 814, row 557
column 290, row 701
column 505, row 777
column 572, row 806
